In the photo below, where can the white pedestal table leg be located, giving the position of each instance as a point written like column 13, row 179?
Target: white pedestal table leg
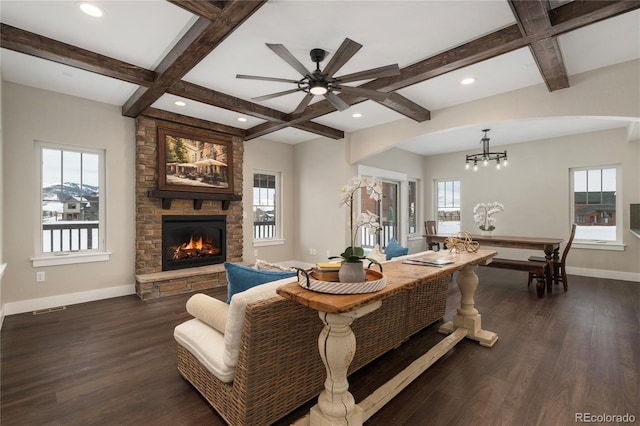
column 337, row 345
column 467, row 315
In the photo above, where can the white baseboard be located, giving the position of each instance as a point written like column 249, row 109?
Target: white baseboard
column 602, row 273
column 12, row 308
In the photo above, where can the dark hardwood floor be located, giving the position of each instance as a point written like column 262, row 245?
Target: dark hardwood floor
column 112, row 362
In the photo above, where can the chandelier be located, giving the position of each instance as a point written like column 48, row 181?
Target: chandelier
column 486, row 155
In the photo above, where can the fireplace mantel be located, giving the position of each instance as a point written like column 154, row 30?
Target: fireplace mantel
column 197, row 197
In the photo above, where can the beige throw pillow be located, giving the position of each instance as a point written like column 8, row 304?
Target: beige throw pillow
column 209, row 310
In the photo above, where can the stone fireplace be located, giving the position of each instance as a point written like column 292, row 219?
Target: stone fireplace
column 152, row 279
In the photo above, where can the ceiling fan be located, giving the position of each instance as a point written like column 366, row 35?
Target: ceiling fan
column 323, row 82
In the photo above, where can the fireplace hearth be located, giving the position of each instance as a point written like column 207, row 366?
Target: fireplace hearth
column 190, row 241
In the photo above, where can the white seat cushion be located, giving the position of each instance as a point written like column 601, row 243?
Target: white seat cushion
column 207, row 345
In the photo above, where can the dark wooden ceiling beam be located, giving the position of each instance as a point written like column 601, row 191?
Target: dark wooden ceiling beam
column 207, row 9
column 577, row 14
column 22, row 41
column 532, row 18
column 318, row 129
column 159, row 114
column 408, row 108
column 194, row 46
column 221, row 100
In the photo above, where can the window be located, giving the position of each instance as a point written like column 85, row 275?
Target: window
column 266, row 206
column 448, row 206
column 392, row 210
column 595, row 204
column 72, row 208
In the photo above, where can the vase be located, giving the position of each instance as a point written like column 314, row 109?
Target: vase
column 352, row 272
column 486, row 233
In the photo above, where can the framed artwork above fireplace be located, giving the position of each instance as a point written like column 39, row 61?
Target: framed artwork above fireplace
column 191, row 163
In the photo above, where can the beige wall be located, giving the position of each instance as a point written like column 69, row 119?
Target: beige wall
column 35, row 115
column 267, row 155
column 535, row 192
column 322, row 170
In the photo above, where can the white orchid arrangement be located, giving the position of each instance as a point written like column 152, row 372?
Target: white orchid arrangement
column 368, row 220
column 483, row 215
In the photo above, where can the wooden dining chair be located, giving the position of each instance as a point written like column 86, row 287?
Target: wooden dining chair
column 430, row 229
column 559, row 266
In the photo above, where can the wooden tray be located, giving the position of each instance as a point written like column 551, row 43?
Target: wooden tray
column 375, row 281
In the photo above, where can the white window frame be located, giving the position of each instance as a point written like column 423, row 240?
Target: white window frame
column 278, row 238
column 436, row 182
column 100, row 254
column 616, row 245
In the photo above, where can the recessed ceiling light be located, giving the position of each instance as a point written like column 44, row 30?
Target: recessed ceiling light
column 91, row 9
column 468, row 80
column 356, row 115
column 180, row 103
column 242, row 119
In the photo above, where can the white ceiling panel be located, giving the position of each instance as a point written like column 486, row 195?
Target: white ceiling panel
column 137, row 32
column 35, row 72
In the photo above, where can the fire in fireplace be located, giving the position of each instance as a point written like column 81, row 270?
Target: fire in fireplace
column 190, row 241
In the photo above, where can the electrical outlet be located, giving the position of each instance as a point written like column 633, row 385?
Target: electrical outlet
column 312, row 251
column 40, row 276
column 328, row 254
column 255, row 253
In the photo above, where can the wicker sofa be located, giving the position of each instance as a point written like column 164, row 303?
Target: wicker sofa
column 278, row 367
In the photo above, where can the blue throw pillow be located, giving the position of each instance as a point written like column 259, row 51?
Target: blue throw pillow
column 394, row 249
column 241, row 278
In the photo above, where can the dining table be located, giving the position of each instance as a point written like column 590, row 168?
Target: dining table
column 549, row 245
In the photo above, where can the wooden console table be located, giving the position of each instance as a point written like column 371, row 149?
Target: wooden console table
column 337, row 344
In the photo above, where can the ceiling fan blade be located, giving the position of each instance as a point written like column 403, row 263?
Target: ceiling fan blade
column 303, row 104
column 336, row 101
column 347, row 49
column 275, row 95
column 284, row 53
column 385, row 71
column 367, row 93
column 257, row 77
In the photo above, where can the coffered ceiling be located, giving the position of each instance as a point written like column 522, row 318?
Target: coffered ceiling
column 143, row 56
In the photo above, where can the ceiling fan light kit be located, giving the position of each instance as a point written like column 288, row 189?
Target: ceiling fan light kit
column 486, row 155
column 322, row 82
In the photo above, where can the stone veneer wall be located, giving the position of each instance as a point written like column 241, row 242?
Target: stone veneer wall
column 151, row 282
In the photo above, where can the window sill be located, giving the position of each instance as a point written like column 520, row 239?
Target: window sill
column 70, row 258
column 613, row 246
column 269, row 242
